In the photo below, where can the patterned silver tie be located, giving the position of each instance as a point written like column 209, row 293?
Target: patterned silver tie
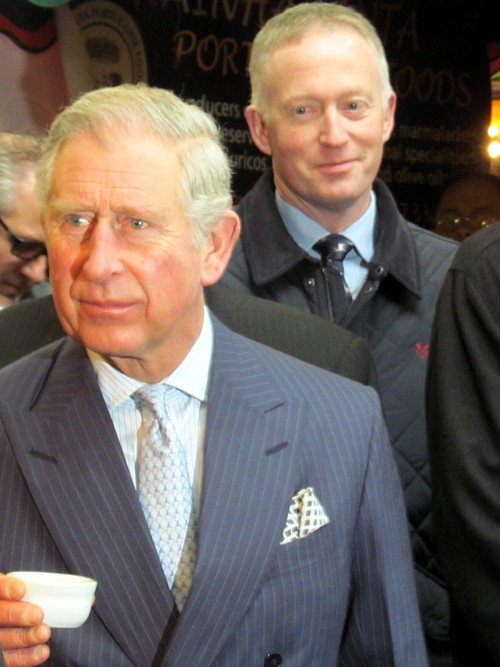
column 165, row 491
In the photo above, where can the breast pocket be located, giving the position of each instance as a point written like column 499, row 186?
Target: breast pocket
column 319, row 550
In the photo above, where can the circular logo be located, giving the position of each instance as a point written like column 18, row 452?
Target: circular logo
column 113, row 43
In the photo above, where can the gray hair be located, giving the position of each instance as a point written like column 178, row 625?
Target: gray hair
column 19, row 155
column 299, row 20
column 204, row 187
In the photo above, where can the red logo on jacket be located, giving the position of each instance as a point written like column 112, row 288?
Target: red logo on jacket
column 422, row 350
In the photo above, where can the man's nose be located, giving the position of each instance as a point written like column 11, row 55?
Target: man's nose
column 332, row 132
column 101, row 251
column 35, row 270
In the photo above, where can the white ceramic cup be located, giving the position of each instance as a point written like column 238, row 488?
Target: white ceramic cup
column 66, row 599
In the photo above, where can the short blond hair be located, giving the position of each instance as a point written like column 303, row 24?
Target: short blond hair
column 299, row 20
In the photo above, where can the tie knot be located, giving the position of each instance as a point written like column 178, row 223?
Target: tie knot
column 334, row 248
column 153, row 396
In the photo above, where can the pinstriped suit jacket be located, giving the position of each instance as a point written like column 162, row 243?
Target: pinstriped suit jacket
column 342, row 595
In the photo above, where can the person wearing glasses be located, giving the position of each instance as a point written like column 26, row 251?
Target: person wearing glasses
column 23, row 261
column 467, row 205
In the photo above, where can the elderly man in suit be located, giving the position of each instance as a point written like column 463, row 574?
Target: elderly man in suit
column 236, row 506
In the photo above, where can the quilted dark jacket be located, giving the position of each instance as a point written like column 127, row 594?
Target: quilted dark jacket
column 394, row 313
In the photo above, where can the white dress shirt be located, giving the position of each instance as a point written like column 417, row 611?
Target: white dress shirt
column 190, row 377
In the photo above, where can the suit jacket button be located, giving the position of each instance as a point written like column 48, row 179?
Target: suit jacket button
column 273, row 660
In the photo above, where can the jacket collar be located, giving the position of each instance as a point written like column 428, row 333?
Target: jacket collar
column 64, row 439
column 271, row 255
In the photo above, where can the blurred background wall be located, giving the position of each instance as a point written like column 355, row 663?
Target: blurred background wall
column 444, row 57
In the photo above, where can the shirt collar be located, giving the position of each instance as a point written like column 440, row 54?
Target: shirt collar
column 306, row 232
column 190, row 377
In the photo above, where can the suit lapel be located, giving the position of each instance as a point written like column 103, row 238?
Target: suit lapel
column 73, row 463
column 249, row 479
column 71, row 459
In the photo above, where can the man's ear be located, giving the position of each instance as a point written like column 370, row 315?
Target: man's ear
column 219, row 246
column 389, row 116
column 258, row 129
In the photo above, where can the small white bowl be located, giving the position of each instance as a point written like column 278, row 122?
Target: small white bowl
column 66, row 599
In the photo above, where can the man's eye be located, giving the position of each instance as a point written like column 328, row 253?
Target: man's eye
column 78, row 220
column 356, row 106
column 136, row 223
column 300, row 111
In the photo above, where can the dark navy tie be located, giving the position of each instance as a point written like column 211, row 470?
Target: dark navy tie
column 333, row 250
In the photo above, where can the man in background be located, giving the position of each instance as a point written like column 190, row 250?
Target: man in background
column 464, row 435
column 23, row 263
column 322, row 233
column 467, row 205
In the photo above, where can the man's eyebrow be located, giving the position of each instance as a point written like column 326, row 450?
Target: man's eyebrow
column 131, row 208
column 65, row 206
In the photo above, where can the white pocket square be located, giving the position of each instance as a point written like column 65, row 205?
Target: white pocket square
column 306, row 514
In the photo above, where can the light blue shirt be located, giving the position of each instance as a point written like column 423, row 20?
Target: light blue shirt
column 190, row 377
column 306, row 232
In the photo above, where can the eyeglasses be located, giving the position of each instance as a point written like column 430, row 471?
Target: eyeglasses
column 449, row 222
column 23, row 248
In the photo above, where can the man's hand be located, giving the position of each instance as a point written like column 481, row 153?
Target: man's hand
column 23, row 636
